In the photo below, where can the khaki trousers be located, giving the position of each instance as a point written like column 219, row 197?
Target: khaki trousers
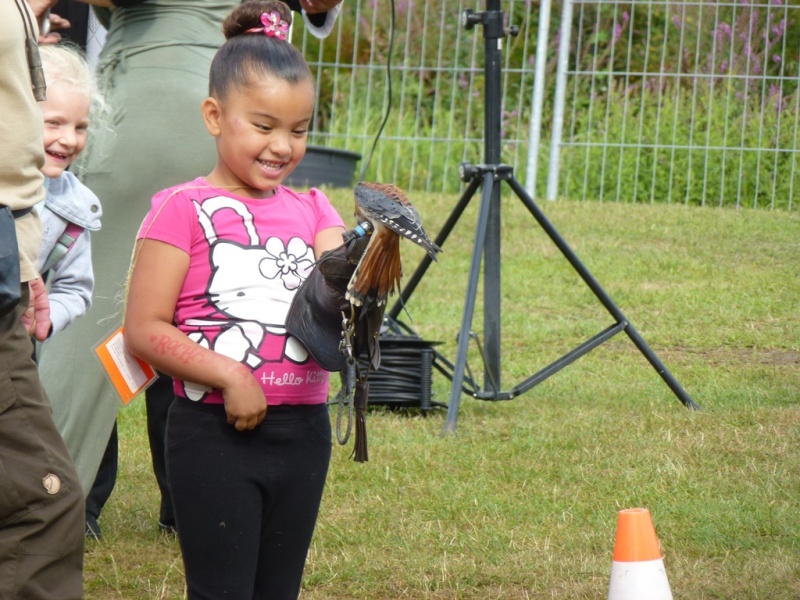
column 41, row 501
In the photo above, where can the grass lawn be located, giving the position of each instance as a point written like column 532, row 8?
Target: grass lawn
column 521, row 501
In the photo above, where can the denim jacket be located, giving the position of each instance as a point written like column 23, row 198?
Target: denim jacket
column 71, row 279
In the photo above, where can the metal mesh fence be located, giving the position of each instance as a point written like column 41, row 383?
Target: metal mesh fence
column 437, row 94
column 692, row 102
column 689, row 102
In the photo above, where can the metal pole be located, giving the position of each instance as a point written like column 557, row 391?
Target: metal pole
column 494, row 32
column 538, row 97
column 469, row 303
column 558, row 106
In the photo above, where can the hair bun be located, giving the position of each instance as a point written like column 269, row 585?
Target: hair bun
column 248, row 16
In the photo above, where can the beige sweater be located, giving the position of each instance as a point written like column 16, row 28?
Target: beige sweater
column 21, row 143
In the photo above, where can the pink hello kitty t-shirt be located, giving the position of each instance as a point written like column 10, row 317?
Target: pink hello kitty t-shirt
column 247, row 258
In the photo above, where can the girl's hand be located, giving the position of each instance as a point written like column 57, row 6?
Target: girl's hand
column 245, row 403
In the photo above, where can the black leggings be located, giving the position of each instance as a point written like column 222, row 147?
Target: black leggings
column 246, row 502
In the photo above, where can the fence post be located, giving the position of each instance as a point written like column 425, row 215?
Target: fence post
column 538, row 97
column 554, row 166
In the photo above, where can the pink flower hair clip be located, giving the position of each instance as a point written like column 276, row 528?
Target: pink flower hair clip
column 274, row 26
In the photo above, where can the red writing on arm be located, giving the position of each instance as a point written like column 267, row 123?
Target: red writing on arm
column 183, row 351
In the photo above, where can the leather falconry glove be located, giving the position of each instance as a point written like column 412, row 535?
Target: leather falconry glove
column 319, row 308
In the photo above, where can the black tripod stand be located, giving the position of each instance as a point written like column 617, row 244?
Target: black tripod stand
column 487, row 245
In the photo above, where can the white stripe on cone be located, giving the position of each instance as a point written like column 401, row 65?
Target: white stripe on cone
column 639, row 580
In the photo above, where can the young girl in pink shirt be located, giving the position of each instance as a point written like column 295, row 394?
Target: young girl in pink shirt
column 216, row 265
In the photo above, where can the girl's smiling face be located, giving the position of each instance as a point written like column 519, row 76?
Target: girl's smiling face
column 66, row 124
column 261, row 132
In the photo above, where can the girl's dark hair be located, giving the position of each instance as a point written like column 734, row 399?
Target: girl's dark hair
column 245, row 56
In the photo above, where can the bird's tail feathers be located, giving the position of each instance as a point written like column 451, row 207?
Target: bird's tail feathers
column 378, row 274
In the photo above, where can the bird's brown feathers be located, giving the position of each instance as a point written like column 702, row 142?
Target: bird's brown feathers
column 379, row 271
column 390, row 189
column 392, row 217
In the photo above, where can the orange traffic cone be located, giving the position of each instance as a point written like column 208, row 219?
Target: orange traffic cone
column 637, row 572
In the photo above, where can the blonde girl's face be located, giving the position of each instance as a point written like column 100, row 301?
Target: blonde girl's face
column 261, row 132
column 66, row 125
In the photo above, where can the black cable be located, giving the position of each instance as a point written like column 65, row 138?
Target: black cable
column 389, row 90
column 404, row 378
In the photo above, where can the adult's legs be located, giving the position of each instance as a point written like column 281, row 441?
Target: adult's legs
column 103, row 485
column 41, row 501
column 159, row 398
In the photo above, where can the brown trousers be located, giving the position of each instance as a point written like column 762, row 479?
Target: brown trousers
column 41, row 501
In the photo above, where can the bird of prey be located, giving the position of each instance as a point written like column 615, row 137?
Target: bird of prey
column 391, row 216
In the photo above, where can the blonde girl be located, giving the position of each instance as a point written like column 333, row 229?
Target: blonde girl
column 70, row 210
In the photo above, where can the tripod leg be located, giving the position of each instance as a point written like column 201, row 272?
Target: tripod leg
column 601, row 294
column 469, row 304
column 662, row 370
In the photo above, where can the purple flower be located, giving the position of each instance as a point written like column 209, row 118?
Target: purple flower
column 618, row 26
column 403, row 7
column 776, row 58
column 676, row 20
